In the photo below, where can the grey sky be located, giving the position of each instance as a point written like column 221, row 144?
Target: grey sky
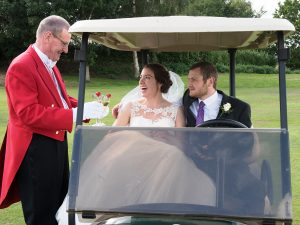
column 268, row 5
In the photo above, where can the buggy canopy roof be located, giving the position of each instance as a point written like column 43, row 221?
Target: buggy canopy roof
column 183, row 33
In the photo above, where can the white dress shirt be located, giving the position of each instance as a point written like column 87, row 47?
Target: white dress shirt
column 49, row 64
column 211, row 108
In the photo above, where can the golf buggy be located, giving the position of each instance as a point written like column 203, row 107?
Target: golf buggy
column 221, row 175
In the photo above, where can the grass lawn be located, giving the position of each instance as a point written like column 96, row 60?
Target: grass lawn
column 260, row 91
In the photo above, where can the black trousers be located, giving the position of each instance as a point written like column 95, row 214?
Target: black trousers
column 43, row 179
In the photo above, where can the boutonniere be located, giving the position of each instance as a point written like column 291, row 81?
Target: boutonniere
column 226, row 109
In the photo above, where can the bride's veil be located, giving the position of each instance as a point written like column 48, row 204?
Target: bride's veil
column 173, row 95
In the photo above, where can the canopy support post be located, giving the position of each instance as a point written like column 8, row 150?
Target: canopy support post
column 232, row 53
column 80, row 56
column 283, row 55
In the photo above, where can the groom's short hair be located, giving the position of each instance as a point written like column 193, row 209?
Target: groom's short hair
column 208, row 70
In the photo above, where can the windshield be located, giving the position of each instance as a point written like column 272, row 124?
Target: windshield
column 187, row 171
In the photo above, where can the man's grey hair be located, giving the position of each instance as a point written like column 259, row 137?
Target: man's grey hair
column 54, row 24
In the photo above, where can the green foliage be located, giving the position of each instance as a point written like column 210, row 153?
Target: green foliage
column 240, row 68
column 177, row 62
column 109, row 63
column 239, row 8
column 294, row 72
column 294, row 62
column 158, row 7
column 221, row 68
column 290, row 9
column 229, row 8
column 247, row 61
column 14, row 38
column 255, row 57
column 180, row 68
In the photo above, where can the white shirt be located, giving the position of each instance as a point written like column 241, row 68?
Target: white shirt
column 49, row 64
column 211, row 108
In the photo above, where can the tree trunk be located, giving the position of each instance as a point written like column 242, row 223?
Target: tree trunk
column 87, row 77
column 136, row 66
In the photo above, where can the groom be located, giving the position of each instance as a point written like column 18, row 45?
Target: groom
column 238, row 180
column 202, row 83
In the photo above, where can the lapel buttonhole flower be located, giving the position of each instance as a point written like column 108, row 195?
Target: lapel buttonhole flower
column 226, row 109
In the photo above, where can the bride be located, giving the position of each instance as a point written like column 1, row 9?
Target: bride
column 151, row 104
column 152, row 109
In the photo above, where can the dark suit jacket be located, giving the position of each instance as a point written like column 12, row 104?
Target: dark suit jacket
column 240, row 111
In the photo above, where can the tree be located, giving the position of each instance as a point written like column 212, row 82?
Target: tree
column 13, row 35
column 290, row 10
column 17, row 32
column 238, row 8
column 19, row 19
column 227, row 8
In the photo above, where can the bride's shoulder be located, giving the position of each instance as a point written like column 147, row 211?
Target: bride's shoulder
column 132, row 102
column 170, row 107
column 174, row 105
column 175, row 108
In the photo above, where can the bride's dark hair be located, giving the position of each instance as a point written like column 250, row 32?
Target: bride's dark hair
column 162, row 76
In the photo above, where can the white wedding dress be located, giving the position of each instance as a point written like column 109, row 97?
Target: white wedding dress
column 159, row 117
column 167, row 175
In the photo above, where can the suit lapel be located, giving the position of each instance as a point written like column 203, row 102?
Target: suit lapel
column 188, row 102
column 225, row 99
column 45, row 76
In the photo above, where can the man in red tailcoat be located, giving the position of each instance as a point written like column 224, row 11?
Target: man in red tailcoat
column 34, row 154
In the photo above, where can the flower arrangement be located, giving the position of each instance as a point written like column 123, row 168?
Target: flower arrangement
column 102, row 98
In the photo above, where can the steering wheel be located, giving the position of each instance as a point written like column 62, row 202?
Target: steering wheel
column 222, row 123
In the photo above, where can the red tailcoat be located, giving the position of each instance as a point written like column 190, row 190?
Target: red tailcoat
column 34, row 107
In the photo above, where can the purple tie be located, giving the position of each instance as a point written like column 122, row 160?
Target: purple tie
column 200, row 114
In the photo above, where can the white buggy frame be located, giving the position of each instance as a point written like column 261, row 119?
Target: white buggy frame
column 182, row 34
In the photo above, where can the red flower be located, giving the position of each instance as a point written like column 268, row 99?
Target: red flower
column 108, row 95
column 98, row 93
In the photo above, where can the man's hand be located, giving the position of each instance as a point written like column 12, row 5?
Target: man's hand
column 115, row 111
column 91, row 110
